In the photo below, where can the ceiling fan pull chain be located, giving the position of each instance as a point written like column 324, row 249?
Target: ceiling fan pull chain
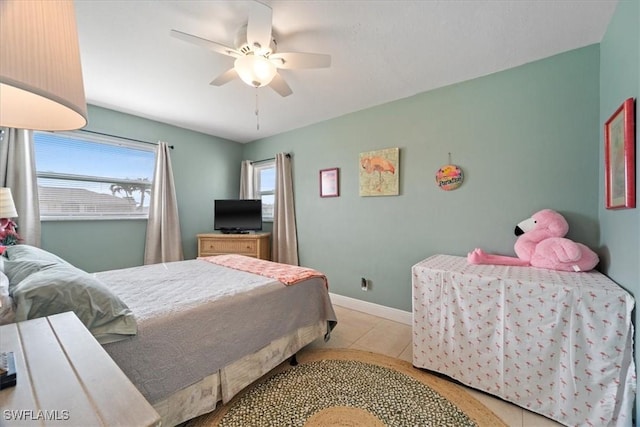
column 257, row 112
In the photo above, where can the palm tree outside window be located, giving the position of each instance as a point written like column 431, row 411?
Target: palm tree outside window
column 83, row 176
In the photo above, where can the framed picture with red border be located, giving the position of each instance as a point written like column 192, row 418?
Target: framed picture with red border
column 619, row 158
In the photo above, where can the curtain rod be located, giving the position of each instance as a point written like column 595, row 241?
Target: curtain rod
column 272, row 158
column 121, row 137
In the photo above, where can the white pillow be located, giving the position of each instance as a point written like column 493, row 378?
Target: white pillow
column 7, row 309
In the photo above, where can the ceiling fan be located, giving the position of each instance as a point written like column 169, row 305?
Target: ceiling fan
column 257, row 60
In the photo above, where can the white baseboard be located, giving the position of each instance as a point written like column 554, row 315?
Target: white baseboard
column 389, row 313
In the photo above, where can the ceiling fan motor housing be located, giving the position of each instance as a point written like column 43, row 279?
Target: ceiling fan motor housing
column 242, row 45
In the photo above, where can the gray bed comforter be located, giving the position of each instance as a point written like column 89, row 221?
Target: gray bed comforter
column 195, row 317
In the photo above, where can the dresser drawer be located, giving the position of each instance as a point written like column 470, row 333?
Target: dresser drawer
column 228, row 246
column 254, row 245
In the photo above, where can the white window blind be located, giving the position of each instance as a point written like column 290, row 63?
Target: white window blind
column 265, row 184
column 83, row 176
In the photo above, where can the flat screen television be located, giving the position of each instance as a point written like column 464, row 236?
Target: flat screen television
column 237, row 216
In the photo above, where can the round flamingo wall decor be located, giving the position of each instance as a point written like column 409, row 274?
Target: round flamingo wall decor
column 449, row 177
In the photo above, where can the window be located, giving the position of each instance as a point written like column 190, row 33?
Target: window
column 264, row 174
column 82, row 176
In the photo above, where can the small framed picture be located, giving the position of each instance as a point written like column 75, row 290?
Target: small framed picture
column 329, row 183
column 619, row 157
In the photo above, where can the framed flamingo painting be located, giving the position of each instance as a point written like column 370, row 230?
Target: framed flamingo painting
column 619, row 157
column 379, row 172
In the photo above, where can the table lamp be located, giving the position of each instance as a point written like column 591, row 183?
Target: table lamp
column 8, row 234
column 41, row 85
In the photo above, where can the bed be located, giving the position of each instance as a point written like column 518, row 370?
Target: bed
column 188, row 334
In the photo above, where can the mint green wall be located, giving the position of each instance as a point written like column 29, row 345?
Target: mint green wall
column 526, row 139
column 619, row 80
column 204, row 168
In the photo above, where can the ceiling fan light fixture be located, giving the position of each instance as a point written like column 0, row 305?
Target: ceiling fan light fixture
column 255, row 70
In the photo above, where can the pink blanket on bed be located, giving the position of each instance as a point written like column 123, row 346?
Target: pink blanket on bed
column 285, row 273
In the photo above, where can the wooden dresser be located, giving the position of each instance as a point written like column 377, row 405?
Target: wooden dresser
column 65, row 378
column 256, row 245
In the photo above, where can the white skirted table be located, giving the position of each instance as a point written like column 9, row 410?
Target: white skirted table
column 556, row 343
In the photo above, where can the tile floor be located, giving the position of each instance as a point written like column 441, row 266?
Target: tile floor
column 363, row 331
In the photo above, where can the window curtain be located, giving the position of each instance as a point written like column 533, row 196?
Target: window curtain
column 246, row 180
column 285, row 241
column 164, row 242
column 18, row 172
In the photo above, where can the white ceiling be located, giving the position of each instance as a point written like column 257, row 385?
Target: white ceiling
column 381, row 51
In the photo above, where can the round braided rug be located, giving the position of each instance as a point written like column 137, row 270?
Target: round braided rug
column 350, row 388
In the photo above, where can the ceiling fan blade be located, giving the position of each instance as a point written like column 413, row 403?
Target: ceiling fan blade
column 300, row 60
column 225, row 77
column 208, row 44
column 280, row 86
column 259, row 26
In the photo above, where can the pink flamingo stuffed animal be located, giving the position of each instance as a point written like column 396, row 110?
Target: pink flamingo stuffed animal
column 541, row 243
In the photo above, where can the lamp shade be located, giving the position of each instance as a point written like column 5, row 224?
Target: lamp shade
column 255, row 70
column 41, row 84
column 7, row 207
